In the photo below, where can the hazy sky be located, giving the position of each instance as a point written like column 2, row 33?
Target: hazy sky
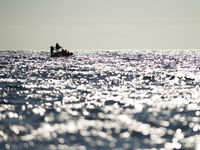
column 99, row 24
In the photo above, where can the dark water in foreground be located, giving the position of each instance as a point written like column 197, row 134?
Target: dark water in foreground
column 100, row 100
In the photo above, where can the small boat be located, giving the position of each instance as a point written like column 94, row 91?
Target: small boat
column 58, row 52
column 61, row 54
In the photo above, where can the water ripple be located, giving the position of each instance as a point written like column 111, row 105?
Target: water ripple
column 107, row 99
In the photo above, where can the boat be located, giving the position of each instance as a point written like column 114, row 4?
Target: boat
column 61, row 54
column 58, row 52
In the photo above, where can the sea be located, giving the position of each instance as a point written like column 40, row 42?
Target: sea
column 100, row 100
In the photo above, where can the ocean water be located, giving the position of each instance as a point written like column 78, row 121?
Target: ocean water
column 100, row 99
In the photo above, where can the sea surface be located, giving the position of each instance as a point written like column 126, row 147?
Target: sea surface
column 100, row 100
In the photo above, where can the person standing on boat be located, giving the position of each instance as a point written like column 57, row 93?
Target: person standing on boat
column 52, row 50
column 58, row 46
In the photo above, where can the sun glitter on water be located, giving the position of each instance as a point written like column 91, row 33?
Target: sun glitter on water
column 109, row 99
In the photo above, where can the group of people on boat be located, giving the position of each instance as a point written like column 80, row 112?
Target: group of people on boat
column 59, row 51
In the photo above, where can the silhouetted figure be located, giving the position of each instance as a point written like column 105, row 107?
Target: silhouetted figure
column 58, row 46
column 63, row 52
column 52, row 50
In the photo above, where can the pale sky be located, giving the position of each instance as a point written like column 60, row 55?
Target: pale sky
column 100, row 24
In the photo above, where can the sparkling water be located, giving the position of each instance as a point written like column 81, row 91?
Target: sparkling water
column 100, row 99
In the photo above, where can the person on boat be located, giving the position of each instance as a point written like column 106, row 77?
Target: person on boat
column 58, row 46
column 63, row 52
column 52, row 50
